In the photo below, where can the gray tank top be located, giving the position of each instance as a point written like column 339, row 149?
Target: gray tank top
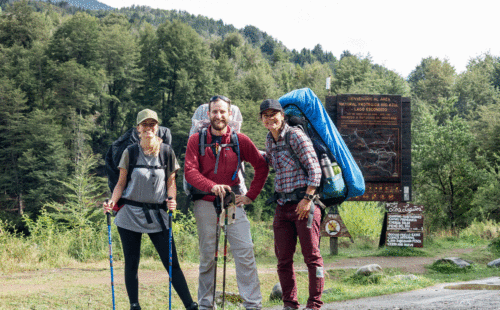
column 145, row 185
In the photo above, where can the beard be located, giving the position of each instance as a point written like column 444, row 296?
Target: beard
column 218, row 124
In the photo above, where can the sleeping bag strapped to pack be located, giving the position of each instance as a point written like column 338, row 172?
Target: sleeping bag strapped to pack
column 302, row 107
column 116, row 149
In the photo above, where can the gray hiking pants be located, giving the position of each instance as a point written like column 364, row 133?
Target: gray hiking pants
column 241, row 246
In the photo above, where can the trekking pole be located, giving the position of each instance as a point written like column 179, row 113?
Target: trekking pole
column 170, row 257
column 218, row 211
column 226, row 204
column 108, row 218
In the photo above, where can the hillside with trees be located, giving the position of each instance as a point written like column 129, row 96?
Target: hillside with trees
column 72, row 81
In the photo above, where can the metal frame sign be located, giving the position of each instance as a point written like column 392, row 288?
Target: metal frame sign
column 377, row 131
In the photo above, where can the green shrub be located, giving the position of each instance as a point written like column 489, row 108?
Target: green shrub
column 486, row 230
column 362, row 218
column 447, row 267
column 494, row 247
column 358, row 279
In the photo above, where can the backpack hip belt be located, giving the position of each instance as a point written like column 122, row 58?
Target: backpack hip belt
column 294, row 197
column 146, row 207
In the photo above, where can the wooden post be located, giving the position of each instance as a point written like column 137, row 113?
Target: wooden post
column 334, row 245
column 334, row 241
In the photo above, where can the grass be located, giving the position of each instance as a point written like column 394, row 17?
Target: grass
column 57, row 268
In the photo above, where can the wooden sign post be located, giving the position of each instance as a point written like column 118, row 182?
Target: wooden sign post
column 332, row 226
column 404, row 223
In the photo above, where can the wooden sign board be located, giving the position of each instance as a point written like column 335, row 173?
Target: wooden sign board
column 405, row 239
column 404, row 225
column 407, row 222
column 377, row 131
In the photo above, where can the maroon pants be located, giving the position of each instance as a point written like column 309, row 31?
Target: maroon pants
column 286, row 229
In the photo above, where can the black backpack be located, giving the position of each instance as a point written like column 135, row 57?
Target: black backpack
column 116, row 149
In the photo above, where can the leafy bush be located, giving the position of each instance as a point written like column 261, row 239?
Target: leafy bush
column 494, row 246
column 358, row 279
column 362, row 218
column 487, row 230
column 447, row 267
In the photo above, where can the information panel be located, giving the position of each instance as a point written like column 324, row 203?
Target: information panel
column 404, row 225
column 377, row 131
column 406, row 239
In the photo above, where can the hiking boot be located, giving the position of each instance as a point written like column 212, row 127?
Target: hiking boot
column 135, row 306
column 193, row 306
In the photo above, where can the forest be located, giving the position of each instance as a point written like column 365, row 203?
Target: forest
column 72, row 81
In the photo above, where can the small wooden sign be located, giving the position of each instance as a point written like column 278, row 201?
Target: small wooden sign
column 333, row 226
column 406, row 239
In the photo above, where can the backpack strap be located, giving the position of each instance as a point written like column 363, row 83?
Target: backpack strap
column 203, row 140
column 236, row 148
column 133, row 155
column 294, row 155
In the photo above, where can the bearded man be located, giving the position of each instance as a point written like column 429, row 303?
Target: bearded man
column 214, row 173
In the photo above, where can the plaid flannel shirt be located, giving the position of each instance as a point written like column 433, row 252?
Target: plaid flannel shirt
column 289, row 175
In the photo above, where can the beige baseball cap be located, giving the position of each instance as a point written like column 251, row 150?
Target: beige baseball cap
column 145, row 114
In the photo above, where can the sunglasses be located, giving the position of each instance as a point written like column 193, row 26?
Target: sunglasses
column 223, row 98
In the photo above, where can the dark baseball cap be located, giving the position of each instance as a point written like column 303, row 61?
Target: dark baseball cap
column 270, row 104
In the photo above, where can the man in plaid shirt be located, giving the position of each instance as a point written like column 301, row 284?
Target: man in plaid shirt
column 290, row 152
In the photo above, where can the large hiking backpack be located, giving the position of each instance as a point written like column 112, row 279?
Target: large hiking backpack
column 116, row 149
column 200, row 122
column 302, row 107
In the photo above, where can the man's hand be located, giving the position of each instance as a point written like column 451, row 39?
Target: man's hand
column 303, row 208
column 242, row 200
column 221, row 190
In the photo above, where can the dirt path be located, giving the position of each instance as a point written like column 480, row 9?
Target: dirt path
column 45, row 280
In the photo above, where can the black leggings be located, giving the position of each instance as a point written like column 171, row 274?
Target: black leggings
column 131, row 243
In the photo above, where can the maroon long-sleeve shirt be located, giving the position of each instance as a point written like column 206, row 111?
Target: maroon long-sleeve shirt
column 200, row 170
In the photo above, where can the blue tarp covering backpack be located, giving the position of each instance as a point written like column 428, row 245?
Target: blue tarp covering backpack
column 303, row 105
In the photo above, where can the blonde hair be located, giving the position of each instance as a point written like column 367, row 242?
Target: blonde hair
column 150, row 146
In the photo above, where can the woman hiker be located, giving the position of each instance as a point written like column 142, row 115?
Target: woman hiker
column 142, row 197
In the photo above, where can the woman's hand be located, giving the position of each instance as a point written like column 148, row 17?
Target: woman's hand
column 242, row 200
column 303, row 208
column 108, row 206
column 171, row 204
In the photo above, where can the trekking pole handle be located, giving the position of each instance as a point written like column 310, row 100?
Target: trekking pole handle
column 108, row 215
column 169, row 198
column 311, row 215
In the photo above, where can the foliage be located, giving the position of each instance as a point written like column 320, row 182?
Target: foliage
column 494, row 246
column 72, row 81
column 432, row 80
column 481, row 230
column 447, row 267
column 82, row 207
column 445, row 177
column 402, row 252
column 362, row 219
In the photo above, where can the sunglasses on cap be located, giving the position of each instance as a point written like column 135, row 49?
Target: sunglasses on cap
column 223, row 98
